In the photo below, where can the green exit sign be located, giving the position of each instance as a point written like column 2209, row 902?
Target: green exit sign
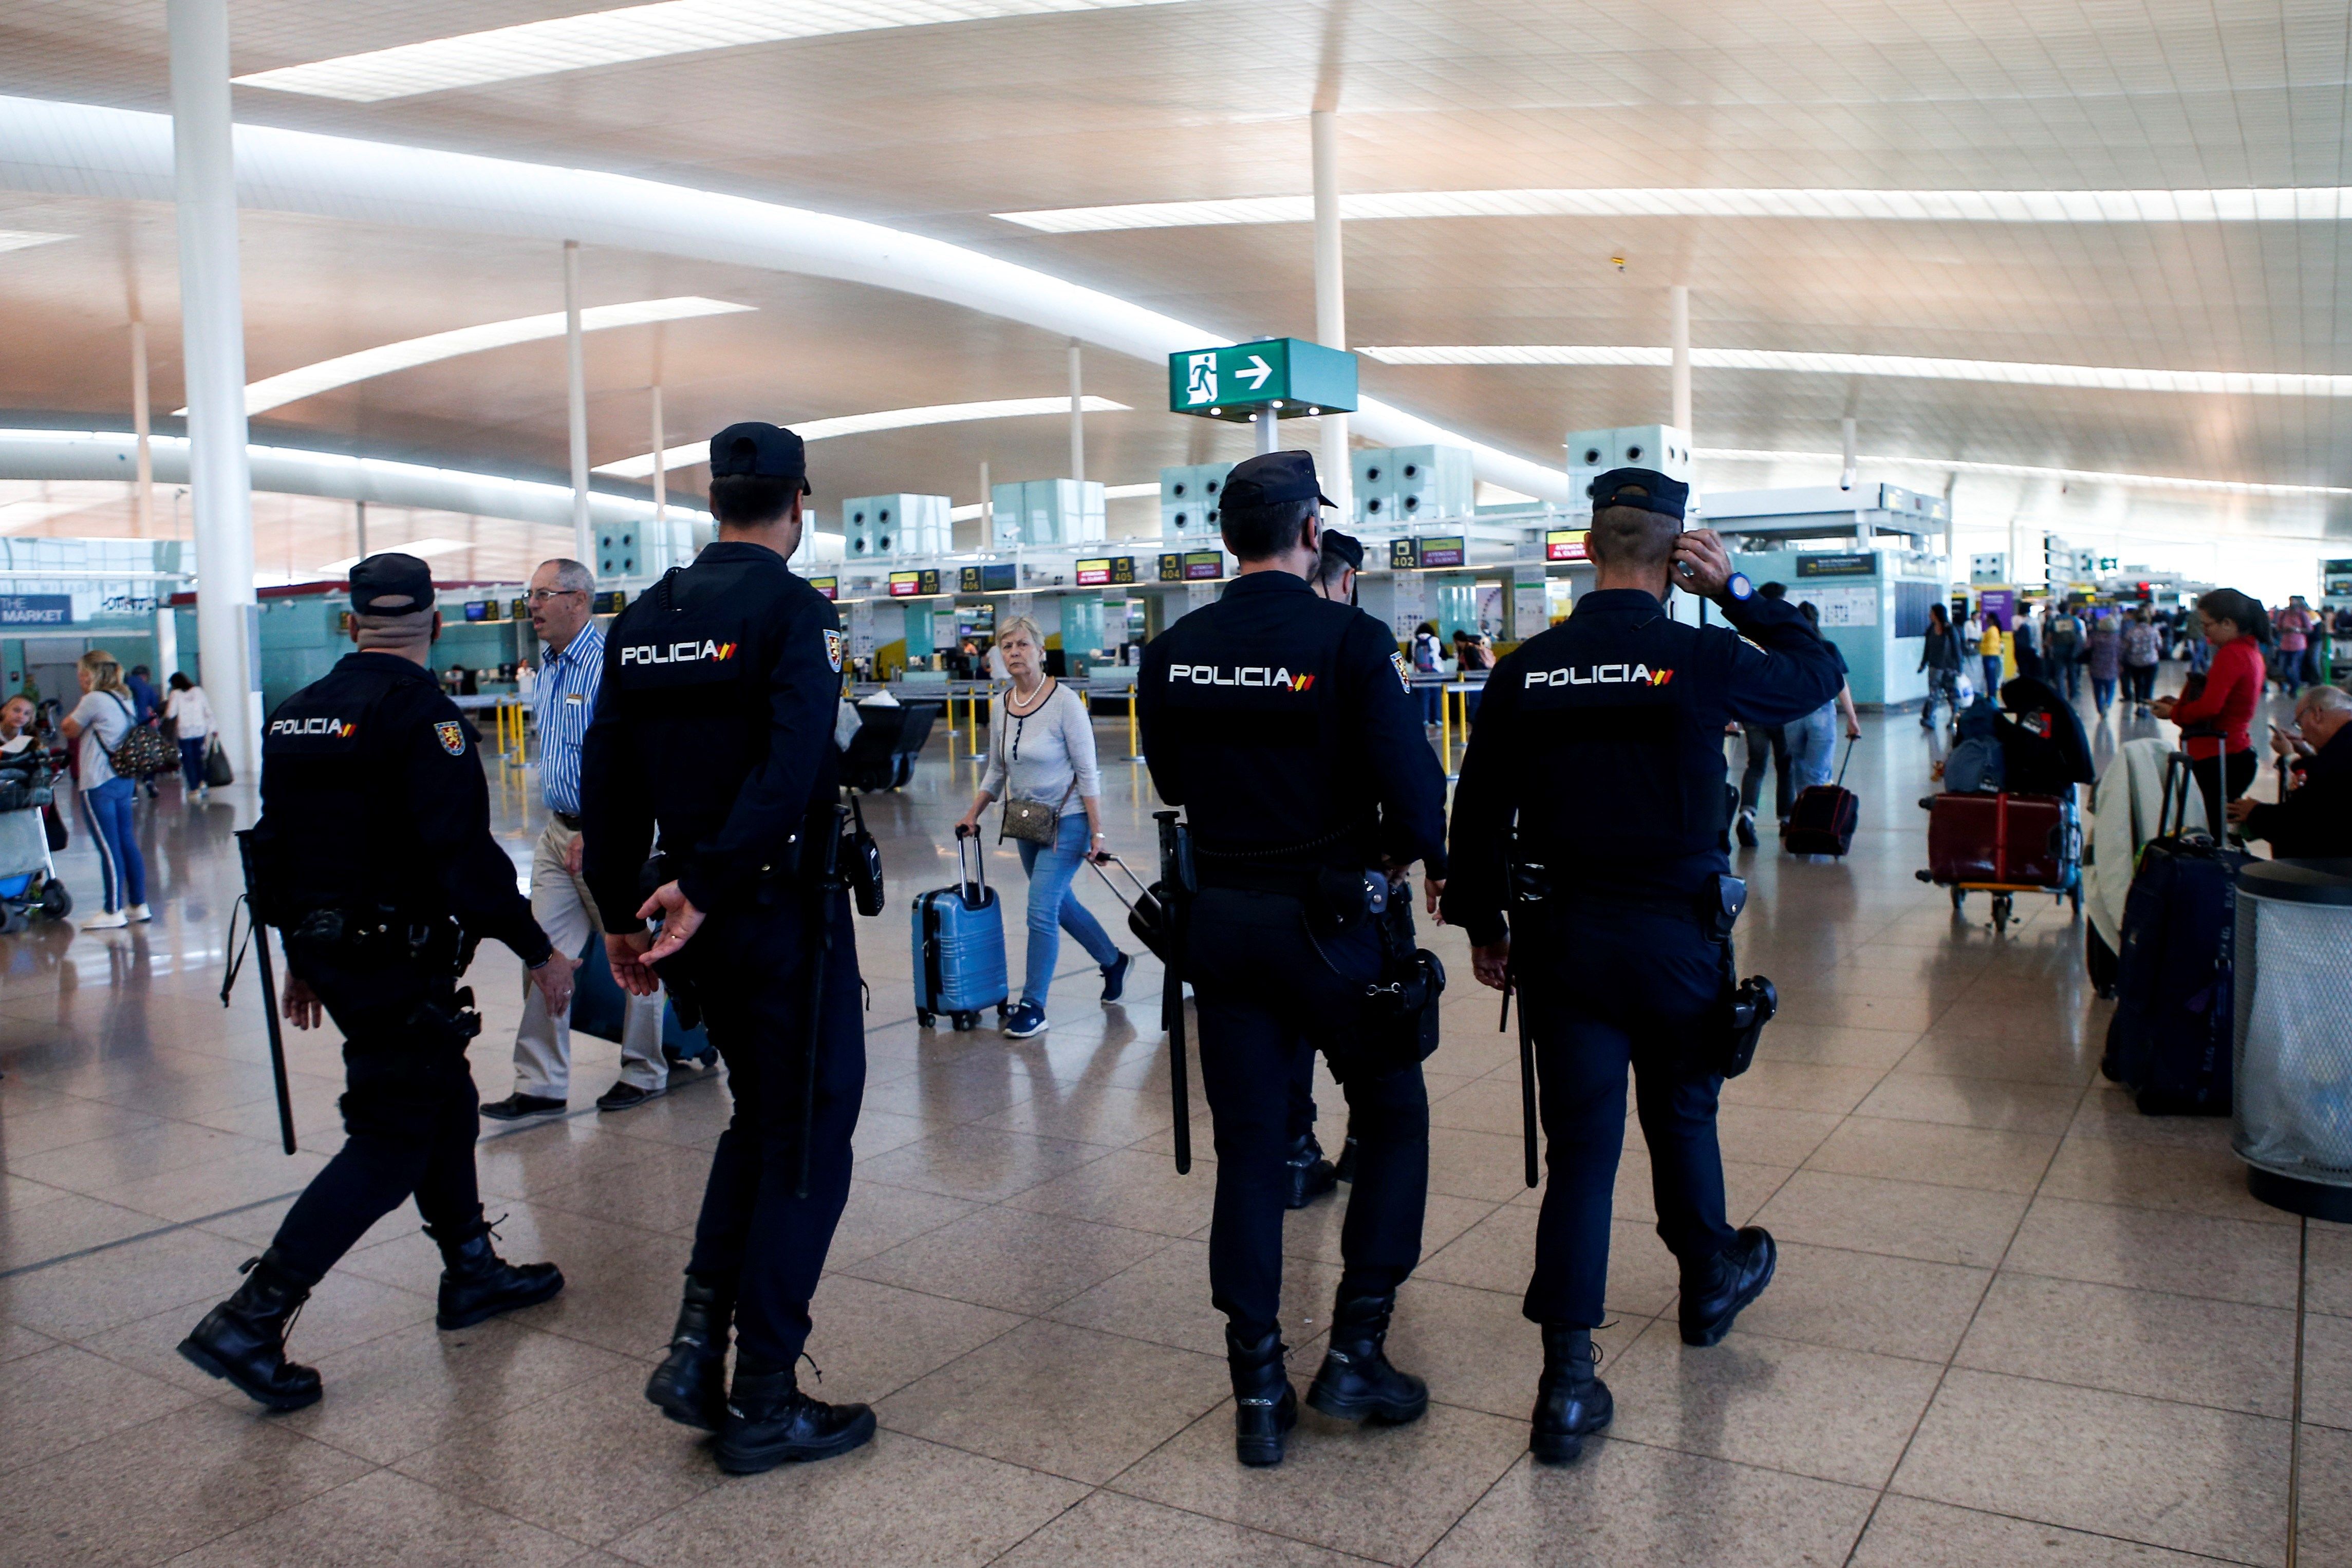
column 1290, row 377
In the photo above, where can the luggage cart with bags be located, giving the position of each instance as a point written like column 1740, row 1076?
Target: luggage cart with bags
column 2005, row 844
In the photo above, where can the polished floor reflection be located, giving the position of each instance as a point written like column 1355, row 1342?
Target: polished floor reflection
column 2015, row 1321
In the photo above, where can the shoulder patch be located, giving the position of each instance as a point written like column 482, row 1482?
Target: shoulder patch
column 1404, row 672
column 452, row 736
column 832, row 649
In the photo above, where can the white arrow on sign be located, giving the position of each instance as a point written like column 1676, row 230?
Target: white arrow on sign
column 1254, row 372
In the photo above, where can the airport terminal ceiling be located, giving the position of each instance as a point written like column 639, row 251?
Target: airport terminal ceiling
column 937, row 129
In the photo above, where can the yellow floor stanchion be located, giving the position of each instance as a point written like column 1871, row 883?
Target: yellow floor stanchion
column 1134, row 739
column 1446, row 728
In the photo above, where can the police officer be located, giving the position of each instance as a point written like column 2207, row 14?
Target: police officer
column 715, row 725
column 1310, row 1175
column 1280, row 722
column 1600, row 742
column 374, row 856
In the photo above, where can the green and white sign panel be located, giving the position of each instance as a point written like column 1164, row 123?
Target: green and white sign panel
column 1290, row 376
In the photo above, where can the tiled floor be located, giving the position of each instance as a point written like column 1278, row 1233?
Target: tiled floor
column 2015, row 1321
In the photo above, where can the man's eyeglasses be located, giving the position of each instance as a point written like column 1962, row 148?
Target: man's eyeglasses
column 541, row 596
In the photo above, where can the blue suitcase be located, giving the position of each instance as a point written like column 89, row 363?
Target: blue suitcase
column 959, row 946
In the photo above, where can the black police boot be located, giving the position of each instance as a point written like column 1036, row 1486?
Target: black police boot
column 476, row 1283
column 1356, row 1382
column 1265, row 1408
column 1346, row 1168
column 1747, row 826
column 244, row 1338
column 770, row 1422
column 1714, row 1290
column 1572, row 1401
column 1307, row 1174
column 690, row 1385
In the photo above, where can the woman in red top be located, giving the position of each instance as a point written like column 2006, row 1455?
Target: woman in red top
column 2216, row 724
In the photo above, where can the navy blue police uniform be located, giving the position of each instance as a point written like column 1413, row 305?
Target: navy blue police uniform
column 1600, row 746
column 373, row 857
column 714, row 726
column 1280, row 722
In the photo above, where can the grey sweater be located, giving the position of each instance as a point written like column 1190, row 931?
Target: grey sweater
column 1041, row 754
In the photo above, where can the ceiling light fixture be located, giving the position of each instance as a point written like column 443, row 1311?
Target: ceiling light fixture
column 620, row 36
column 2322, row 204
column 26, row 239
column 693, row 452
column 310, row 380
column 2027, row 471
column 2015, row 372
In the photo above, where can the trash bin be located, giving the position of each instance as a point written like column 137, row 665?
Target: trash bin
column 2294, row 1034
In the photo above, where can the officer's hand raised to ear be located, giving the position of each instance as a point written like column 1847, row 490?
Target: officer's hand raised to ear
column 1701, row 564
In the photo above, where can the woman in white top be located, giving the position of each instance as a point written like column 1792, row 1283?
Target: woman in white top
column 191, row 720
column 1042, row 748
column 97, row 726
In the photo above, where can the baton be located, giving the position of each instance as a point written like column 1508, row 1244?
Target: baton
column 258, row 936
column 1171, row 989
column 828, row 883
column 1527, row 1068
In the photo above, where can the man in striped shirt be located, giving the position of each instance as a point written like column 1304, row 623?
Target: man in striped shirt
column 563, row 701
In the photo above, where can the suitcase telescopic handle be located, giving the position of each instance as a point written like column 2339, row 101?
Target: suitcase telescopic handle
column 971, row 862
column 1099, row 861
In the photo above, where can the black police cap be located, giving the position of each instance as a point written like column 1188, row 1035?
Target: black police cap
column 1271, row 479
column 1346, row 546
column 1643, row 488
column 391, row 585
column 767, row 451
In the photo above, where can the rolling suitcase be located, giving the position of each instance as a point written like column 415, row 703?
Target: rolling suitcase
column 1824, row 816
column 959, row 946
column 2169, row 1041
column 2016, row 839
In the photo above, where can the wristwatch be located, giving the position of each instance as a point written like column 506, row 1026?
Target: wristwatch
column 1738, row 588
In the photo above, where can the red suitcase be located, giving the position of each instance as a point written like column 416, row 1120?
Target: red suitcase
column 2013, row 841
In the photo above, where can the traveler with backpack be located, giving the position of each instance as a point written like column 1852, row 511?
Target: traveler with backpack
column 96, row 726
column 1940, row 656
column 2103, row 656
column 2138, row 653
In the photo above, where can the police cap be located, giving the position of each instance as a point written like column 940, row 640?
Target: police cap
column 1346, row 546
column 391, row 585
column 1271, row 479
column 768, row 451
column 1643, row 488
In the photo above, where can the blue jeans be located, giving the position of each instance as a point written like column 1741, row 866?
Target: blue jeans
column 192, row 762
column 1992, row 676
column 107, row 812
column 1812, row 746
column 2103, row 692
column 1053, row 908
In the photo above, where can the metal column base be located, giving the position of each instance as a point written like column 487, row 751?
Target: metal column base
column 2316, row 1200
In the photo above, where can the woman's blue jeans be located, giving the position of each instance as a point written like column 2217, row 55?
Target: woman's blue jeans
column 1812, row 746
column 1992, row 675
column 1054, row 907
column 107, row 812
column 192, row 760
column 2103, row 692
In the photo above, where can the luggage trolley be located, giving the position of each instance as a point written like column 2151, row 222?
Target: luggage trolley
column 28, row 876
column 2005, row 844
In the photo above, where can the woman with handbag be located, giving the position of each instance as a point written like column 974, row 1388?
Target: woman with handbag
column 1041, row 756
column 192, row 722
column 97, row 726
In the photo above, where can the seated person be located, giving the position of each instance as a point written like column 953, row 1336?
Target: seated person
column 2315, row 821
column 2043, row 748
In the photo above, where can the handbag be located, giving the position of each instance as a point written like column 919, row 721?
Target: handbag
column 1034, row 821
column 216, row 769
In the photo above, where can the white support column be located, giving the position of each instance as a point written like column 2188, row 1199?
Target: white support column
column 661, row 479
column 1330, row 299
column 1678, row 328
column 141, row 422
column 1853, row 468
column 1077, row 416
column 212, row 329
column 359, row 529
column 1269, row 430
column 575, row 365
column 987, row 511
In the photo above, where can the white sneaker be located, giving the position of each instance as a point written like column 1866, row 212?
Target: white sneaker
column 204, row 793
column 139, row 912
column 111, row 921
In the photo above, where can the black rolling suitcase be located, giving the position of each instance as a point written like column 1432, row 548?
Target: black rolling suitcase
column 1824, row 816
column 2169, row 1041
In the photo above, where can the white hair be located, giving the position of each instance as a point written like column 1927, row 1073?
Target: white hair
column 1024, row 625
column 570, row 577
column 2327, row 699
